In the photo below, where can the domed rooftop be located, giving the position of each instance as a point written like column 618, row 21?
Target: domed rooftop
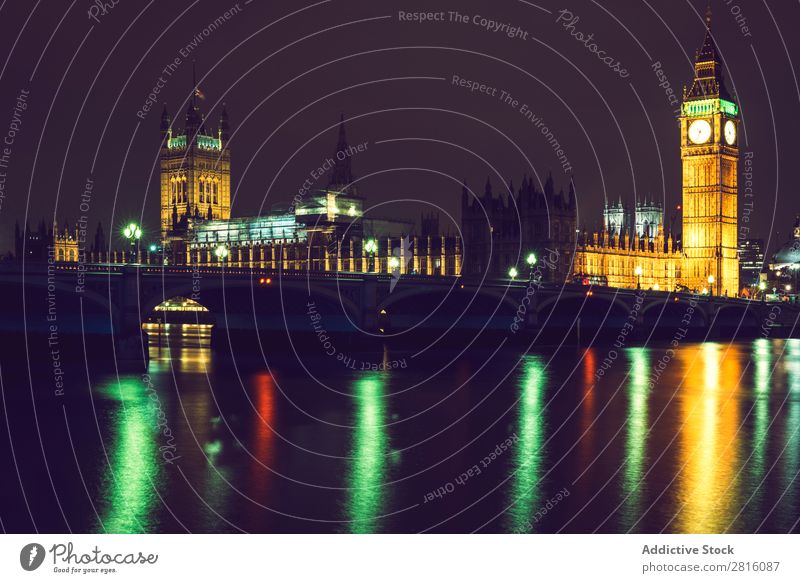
column 790, row 252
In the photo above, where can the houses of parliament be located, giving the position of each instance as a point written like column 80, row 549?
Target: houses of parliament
column 328, row 229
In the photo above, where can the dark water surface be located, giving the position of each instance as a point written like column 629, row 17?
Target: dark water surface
column 484, row 443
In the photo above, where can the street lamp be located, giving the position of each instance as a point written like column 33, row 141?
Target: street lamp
column 638, row 272
column 133, row 233
column 531, row 259
column 371, row 247
column 512, row 273
column 221, row 252
column 394, row 263
column 711, row 284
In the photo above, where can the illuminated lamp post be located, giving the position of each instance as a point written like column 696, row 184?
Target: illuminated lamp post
column 221, row 252
column 513, row 273
column 394, row 263
column 371, row 247
column 133, row 233
column 531, row 261
column 638, row 272
column 762, row 287
column 711, row 284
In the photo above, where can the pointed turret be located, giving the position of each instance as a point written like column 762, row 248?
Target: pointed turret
column 99, row 239
column 166, row 122
column 572, row 203
column 709, row 81
column 487, row 189
column 341, row 173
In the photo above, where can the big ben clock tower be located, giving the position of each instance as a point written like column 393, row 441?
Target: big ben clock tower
column 710, row 156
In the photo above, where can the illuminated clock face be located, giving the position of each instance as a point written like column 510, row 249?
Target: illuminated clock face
column 700, row 131
column 730, row 132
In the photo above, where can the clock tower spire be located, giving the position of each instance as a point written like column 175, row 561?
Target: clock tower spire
column 710, row 156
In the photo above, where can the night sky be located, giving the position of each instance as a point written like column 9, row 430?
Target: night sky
column 287, row 70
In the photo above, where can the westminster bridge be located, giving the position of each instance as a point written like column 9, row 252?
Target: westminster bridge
column 104, row 305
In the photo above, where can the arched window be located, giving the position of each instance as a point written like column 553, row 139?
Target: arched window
column 61, row 255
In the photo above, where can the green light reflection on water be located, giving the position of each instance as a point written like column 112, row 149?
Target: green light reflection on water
column 637, row 428
column 366, row 490
column 762, row 373
column 526, row 487
column 128, row 496
column 791, row 452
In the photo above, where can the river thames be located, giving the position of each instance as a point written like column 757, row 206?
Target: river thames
column 509, row 442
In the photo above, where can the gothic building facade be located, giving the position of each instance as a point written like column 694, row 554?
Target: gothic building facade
column 60, row 244
column 501, row 230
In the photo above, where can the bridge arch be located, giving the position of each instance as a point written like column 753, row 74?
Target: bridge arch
column 614, row 301
column 440, row 306
column 667, row 311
